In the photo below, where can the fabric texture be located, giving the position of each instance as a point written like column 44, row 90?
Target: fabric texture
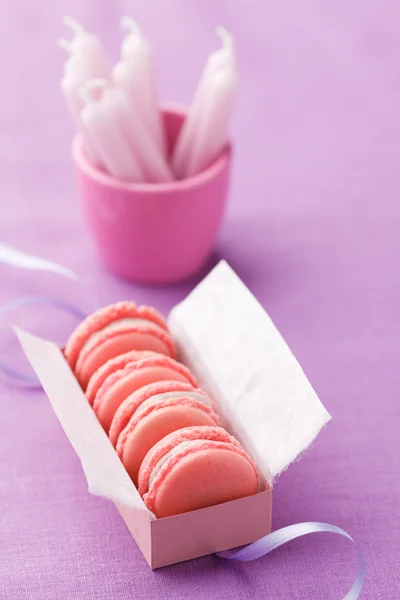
column 312, row 228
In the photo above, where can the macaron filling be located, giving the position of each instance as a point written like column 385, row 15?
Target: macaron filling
column 167, row 395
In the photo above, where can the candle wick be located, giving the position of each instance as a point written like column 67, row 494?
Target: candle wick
column 131, row 25
column 226, row 39
column 94, row 85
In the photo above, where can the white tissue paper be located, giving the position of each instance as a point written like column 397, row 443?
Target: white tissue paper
column 239, row 356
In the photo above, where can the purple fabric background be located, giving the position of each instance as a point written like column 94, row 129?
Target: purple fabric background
column 313, row 229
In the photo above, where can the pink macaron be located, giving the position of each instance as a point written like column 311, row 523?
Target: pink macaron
column 154, row 392
column 114, row 330
column 117, row 386
column 111, row 366
column 154, row 420
column 193, row 468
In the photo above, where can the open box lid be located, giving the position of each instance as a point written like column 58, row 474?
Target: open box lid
column 238, row 354
column 234, row 349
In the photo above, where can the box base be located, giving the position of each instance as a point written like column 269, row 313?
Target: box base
column 198, row 533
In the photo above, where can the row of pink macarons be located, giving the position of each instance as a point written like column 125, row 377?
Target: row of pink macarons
column 164, row 428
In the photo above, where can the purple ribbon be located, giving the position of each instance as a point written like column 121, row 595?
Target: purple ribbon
column 12, row 257
column 258, row 549
column 270, row 542
column 10, row 372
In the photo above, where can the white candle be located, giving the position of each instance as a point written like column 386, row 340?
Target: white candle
column 87, row 61
column 140, row 142
column 220, row 61
column 134, row 74
column 87, row 56
column 211, row 134
column 100, row 119
column 70, row 87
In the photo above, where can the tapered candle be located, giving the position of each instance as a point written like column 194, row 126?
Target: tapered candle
column 100, row 119
column 87, row 56
column 211, row 133
column 220, row 60
column 142, row 145
column 70, row 86
column 87, row 61
column 134, row 74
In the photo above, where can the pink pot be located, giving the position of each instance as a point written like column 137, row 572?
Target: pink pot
column 154, row 233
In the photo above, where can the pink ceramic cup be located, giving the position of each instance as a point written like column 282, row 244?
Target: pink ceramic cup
column 154, row 233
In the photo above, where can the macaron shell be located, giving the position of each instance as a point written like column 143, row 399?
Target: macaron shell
column 154, row 424
column 113, row 343
column 103, row 317
column 152, row 314
column 203, row 477
column 121, row 384
column 171, row 441
column 111, row 366
column 133, row 401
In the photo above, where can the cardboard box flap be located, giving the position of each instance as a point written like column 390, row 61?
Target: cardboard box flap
column 237, row 353
column 104, row 471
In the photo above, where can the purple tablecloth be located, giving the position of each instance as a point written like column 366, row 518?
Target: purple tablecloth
column 313, row 229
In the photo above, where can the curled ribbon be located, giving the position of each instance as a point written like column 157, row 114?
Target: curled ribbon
column 270, row 542
column 258, row 549
column 10, row 372
column 14, row 258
